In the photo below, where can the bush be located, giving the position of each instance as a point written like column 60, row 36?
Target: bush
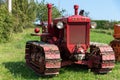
column 24, row 14
column 6, row 24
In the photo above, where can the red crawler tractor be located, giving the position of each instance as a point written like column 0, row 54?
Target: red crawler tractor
column 65, row 41
column 115, row 44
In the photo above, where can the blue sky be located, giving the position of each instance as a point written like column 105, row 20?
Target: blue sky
column 99, row 9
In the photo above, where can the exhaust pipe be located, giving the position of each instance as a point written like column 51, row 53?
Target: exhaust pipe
column 49, row 6
column 76, row 9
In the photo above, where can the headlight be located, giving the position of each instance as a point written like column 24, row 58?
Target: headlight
column 60, row 25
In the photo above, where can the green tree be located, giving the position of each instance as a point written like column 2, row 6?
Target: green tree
column 42, row 11
column 24, row 12
column 22, row 16
column 6, row 24
column 2, row 1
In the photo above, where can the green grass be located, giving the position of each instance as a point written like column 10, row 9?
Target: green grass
column 12, row 62
column 101, row 36
column 106, row 31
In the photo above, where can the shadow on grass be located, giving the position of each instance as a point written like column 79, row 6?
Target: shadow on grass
column 20, row 69
column 74, row 68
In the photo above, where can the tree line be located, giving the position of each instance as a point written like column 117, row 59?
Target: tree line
column 105, row 24
column 24, row 13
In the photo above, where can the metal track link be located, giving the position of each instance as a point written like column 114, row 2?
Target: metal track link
column 104, row 58
column 43, row 58
column 108, row 59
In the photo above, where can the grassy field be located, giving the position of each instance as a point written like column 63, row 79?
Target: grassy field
column 12, row 62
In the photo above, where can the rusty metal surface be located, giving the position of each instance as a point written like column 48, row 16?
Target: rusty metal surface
column 43, row 58
column 115, row 44
column 102, row 58
column 116, row 34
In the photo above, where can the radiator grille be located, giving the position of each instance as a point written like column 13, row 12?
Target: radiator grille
column 77, row 33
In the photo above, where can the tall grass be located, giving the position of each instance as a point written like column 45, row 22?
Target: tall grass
column 12, row 62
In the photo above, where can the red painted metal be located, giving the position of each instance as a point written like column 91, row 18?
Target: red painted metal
column 37, row 30
column 116, row 31
column 81, row 62
column 49, row 6
column 115, row 44
column 108, row 65
column 43, row 34
column 74, row 39
column 66, row 63
column 78, row 18
column 67, row 46
column 76, row 9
